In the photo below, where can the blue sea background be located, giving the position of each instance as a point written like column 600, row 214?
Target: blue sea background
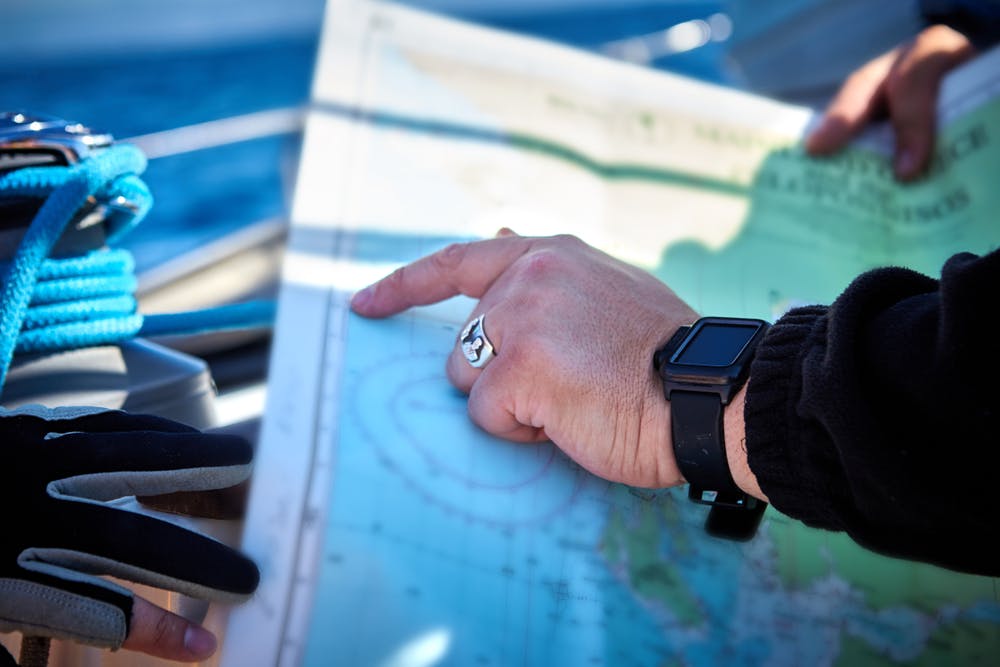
column 134, row 67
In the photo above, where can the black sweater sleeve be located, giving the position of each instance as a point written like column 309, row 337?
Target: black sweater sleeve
column 878, row 415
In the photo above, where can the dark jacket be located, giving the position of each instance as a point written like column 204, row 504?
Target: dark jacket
column 880, row 414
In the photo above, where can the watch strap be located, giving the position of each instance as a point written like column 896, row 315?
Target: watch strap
column 700, row 449
column 698, row 444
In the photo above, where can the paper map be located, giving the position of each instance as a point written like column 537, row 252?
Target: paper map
column 391, row 531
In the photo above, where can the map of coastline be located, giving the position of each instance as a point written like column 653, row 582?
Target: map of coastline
column 425, row 541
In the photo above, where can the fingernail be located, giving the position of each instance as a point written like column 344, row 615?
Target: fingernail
column 361, row 299
column 199, row 641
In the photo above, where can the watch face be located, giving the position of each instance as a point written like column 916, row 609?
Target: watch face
column 716, row 344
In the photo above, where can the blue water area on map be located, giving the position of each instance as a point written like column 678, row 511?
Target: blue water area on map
column 443, row 545
column 440, row 538
column 439, row 532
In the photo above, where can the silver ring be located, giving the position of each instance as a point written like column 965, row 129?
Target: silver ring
column 476, row 347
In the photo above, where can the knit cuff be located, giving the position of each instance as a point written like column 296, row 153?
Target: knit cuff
column 772, row 425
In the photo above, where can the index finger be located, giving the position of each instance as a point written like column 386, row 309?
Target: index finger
column 460, row 268
column 856, row 103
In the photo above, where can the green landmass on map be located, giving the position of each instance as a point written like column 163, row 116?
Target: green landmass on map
column 959, row 643
column 806, row 555
column 814, row 225
column 630, row 545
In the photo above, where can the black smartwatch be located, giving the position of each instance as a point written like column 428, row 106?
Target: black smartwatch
column 702, row 367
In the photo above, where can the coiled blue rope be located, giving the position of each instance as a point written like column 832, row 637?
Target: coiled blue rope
column 52, row 304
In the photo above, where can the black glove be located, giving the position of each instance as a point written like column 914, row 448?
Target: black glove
column 57, row 474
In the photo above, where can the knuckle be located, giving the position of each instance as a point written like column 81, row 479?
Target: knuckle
column 477, row 408
column 568, row 240
column 166, row 631
column 541, row 264
column 929, row 34
column 458, row 372
column 450, row 257
column 937, row 36
column 395, row 288
column 395, row 280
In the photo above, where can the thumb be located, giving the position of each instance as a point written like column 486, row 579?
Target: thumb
column 912, row 93
column 163, row 634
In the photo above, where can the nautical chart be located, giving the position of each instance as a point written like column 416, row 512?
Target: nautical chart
column 406, row 415
column 390, row 531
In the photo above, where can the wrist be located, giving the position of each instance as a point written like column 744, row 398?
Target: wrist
column 734, row 428
column 704, row 368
